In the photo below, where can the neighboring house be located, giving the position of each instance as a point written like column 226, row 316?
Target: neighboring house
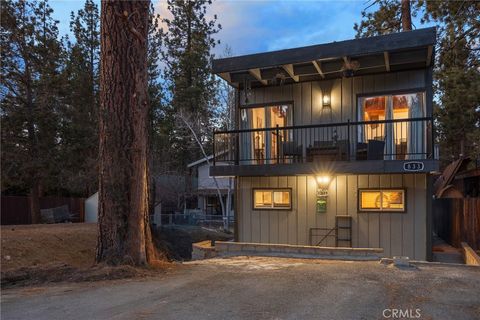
column 334, row 144
column 91, row 208
column 170, row 197
column 171, row 190
column 205, row 189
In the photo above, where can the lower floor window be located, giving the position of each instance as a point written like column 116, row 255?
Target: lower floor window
column 381, row 200
column 272, row 199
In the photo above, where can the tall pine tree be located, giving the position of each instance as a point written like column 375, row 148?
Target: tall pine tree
column 457, row 76
column 386, row 19
column 79, row 144
column 159, row 125
column 457, row 67
column 31, row 58
column 188, row 42
column 124, row 235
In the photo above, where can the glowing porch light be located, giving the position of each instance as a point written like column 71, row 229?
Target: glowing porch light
column 326, row 99
column 323, row 181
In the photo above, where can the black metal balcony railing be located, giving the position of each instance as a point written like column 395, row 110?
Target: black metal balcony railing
column 399, row 139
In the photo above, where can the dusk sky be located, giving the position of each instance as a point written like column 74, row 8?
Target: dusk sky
column 256, row 26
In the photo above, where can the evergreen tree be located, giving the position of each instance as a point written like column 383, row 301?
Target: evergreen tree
column 457, row 76
column 457, row 67
column 187, row 55
column 386, row 19
column 124, row 235
column 79, row 144
column 224, row 111
column 31, row 58
column 158, row 131
column 159, row 125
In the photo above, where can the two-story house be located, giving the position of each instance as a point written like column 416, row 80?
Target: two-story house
column 334, row 144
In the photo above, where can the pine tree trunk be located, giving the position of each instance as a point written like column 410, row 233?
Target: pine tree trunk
column 406, row 16
column 34, row 195
column 124, row 230
column 34, row 203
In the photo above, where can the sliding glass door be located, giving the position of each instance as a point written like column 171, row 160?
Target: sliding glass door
column 262, row 146
column 400, row 140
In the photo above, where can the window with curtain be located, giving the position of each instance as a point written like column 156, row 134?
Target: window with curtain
column 261, row 145
column 403, row 140
column 390, row 200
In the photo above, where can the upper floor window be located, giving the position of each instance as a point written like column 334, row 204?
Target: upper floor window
column 399, row 138
column 265, row 144
column 268, row 116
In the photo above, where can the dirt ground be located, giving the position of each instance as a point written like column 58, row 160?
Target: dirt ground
column 36, row 254
column 260, row 288
column 43, row 244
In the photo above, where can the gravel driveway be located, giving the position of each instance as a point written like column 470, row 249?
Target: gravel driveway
column 261, row 288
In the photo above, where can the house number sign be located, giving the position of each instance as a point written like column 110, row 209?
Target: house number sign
column 322, row 195
column 413, row 166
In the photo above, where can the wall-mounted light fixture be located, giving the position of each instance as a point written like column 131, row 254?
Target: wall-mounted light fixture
column 323, row 181
column 326, row 99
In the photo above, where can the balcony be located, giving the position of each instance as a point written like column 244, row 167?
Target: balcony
column 397, row 141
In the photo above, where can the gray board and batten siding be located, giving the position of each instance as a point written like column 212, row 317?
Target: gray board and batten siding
column 397, row 233
column 306, row 97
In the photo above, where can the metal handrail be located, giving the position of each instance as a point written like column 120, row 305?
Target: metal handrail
column 314, row 131
column 326, row 125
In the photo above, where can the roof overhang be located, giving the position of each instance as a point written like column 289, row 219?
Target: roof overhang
column 200, row 161
column 386, row 53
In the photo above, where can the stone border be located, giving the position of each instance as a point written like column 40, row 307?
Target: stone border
column 224, row 248
column 203, row 250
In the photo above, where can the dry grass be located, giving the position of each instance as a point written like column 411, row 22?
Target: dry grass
column 39, row 245
column 35, row 254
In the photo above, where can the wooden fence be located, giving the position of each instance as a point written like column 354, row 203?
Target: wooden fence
column 457, row 220
column 16, row 210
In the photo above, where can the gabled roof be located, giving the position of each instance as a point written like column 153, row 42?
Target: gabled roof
column 200, row 161
column 396, row 51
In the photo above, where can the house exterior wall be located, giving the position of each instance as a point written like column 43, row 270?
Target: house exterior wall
column 307, row 96
column 397, row 233
column 206, row 182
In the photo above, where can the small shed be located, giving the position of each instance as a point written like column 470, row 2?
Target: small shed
column 91, row 208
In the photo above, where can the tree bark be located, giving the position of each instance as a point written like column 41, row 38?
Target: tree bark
column 406, row 16
column 124, row 235
column 34, row 203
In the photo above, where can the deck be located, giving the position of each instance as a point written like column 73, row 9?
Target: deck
column 399, row 145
